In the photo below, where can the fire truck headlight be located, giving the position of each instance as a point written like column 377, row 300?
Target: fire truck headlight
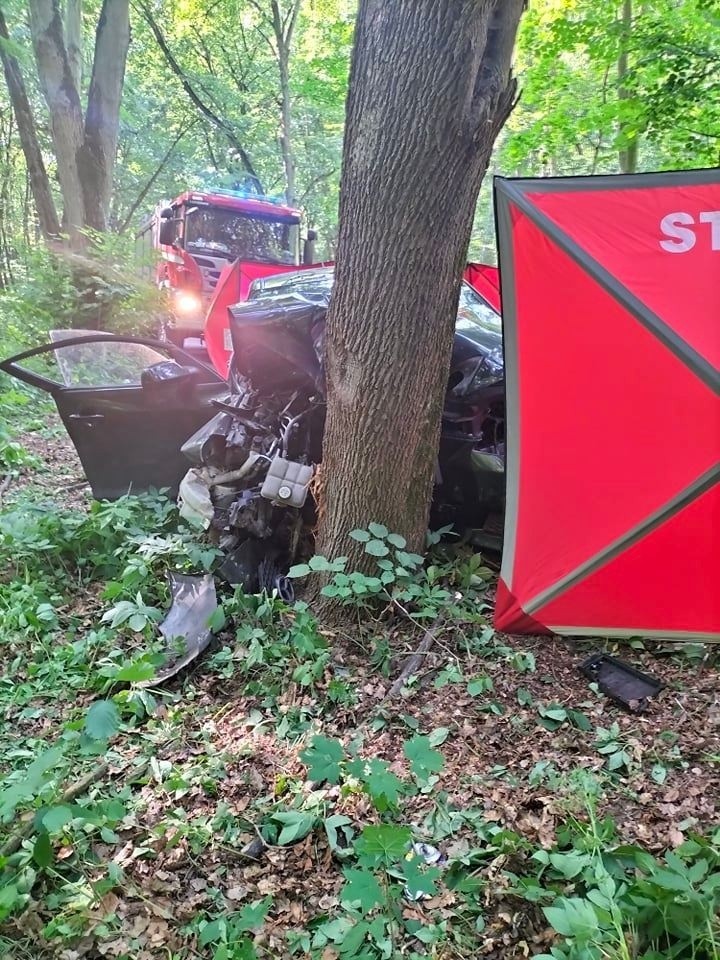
column 188, row 303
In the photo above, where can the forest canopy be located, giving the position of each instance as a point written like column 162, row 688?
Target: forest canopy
column 219, row 91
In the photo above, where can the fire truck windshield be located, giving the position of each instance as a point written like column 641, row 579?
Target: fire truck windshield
column 236, row 234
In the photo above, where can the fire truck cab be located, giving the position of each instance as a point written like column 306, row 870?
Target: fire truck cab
column 200, row 233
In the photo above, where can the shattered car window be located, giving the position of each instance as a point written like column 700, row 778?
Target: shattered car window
column 98, row 364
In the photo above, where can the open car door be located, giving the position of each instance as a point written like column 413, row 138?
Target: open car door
column 127, row 403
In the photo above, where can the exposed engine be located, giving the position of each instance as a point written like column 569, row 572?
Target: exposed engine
column 253, row 463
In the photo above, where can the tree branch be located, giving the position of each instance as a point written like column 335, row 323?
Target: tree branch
column 291, row 20
column 265, row 19
column 315, row 180
column 158, row 170
column 27, row 130
column 495, row 88
column 207, row 112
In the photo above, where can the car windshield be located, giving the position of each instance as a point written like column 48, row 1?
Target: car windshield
column 473, row 311
column 240, row 235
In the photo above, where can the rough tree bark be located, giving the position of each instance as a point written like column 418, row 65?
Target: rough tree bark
column 96, row 160
column 85, row 147
column 430, row 88
column 73, row 39
column 37, row 174
column 63, row 100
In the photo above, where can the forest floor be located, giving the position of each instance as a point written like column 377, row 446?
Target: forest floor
column 194, row 828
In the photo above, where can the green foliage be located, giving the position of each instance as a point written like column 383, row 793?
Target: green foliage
column 102, row 720
column 617, row 900
column 294, row 825
column 424, row 761
column 228, row 934
column 13, row 456
column 402, row 579
column 323, row 758
column 275, row 643
column 572, row 117
column 327, row 761
column 101, row 290
column 362, row 887
column 617, row 755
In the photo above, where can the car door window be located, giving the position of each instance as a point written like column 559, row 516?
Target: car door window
column 111, row 363
column 127, row 425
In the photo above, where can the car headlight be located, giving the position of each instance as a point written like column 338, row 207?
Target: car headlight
column 187, row 302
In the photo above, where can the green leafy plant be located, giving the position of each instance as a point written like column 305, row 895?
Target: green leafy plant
column 14, row 457
column 228, row 935
column 613, row 900
column 402, row 579
column 618, row 757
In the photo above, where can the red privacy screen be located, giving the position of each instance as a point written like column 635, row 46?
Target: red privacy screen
column 611, row 311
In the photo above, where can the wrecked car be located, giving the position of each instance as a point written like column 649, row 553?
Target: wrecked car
column 140, row 412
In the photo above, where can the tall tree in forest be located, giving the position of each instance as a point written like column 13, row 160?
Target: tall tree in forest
column 84, row 145
column 34, row 161
column 627, row 134
column 430, row 88
column 277, row 27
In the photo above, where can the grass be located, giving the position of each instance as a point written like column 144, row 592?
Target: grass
column 268, row 803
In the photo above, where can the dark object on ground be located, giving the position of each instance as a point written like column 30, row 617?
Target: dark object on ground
column 186, row 628
column 622, row 683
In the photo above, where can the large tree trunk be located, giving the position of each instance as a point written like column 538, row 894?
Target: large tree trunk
column 63, row 100
column 73, row 39
column 84, row 149
column 96, row 160
column 37, row 174
column 430, row 88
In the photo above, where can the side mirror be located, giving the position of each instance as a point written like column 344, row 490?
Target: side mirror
column 167, row 378
column 166, row 213
column 167, row 232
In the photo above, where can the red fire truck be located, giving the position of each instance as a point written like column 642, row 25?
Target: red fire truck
column 201, row 233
